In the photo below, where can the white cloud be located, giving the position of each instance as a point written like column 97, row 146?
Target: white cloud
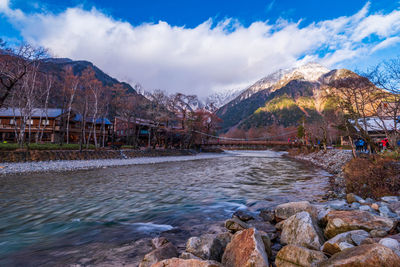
column 205, row 58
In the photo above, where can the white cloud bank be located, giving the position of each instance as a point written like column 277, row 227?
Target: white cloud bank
column 205, row 58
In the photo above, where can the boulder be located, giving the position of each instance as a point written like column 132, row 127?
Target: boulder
column 375, row 206
column 378, row 233
column 286, row 210
column 351, row 198
column 243, row 215
column 395, row 207
column 372, row 255
column 246, row 249
column 345, row 245
column 335, row 244
column 390, row 199
column 262, row 226
column 391, row 243
column 386, row 212
column 208, row 246
column 188, row 256
column 301, row 230
column 267, row 215
column 234, row 225
column 344, row 221
column 166, row 251
column 176, row 262
column 295, row 256
column 158, row 242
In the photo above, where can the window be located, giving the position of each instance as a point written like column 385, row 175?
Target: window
column 46, row 122
column 12, row 121
column 29, row 122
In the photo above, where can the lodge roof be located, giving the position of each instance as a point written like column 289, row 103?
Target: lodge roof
column 37, row 112
column 374, row 124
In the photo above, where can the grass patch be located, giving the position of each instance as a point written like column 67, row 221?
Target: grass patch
column 8, row 146
column 14, row 146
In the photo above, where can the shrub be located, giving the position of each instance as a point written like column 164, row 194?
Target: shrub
column 372, row 177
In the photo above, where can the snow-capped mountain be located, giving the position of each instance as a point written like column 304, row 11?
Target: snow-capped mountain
column 310, row 72
column 265, row 102
column 219, row 99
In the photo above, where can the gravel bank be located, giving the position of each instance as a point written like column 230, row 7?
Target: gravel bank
column 69, row 165
column 331, row 160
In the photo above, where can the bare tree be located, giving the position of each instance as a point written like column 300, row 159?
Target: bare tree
column 14, row 65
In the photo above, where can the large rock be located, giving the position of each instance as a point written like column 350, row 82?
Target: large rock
column 286, row 210
column 335, row 244
column 373, row 255
column 395, row 207
column 235, row 225
column 344, row 221
column 166, row 251
column 295, row 256
column 176, row 262
column 391, row 243
column 246, row 250
column 301, row 230
column 243, row 215
column 208, row 246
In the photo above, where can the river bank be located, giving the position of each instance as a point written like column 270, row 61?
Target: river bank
column 352, row 232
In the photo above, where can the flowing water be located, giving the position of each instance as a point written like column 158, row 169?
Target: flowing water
column 46, row 212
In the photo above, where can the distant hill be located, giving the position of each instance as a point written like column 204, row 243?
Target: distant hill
column 58, row 65
column 282, row 98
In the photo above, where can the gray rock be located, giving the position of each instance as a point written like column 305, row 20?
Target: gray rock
column 208, row 246
column 355, row 205
column 243, row 215
column 386, row 212
column 235, row 225
column 378, row 233
column 366, row 208
column 164, row 252
column 390, row 199
column 296, row 256
column 286, row 210
column 369, row 200
column 395, row 207
column 267, row 215
column 352, row 238
column 345, row 245
column 187, row 256
column 391, row 243
column 301, row 230
column 158, row 242
column 358, row 236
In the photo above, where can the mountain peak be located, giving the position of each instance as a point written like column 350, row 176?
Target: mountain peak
column 311, row 71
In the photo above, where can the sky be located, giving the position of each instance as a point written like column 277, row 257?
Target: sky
column 201, row 47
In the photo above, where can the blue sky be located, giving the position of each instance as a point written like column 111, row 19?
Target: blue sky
column 204, row 46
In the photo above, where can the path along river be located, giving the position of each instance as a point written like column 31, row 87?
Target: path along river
column 43, row 215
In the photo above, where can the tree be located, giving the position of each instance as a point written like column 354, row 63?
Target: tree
column 358, row 98
column 386, row 75
column 14, row 65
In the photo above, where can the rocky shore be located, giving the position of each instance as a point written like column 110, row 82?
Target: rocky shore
column 351, row 232
column 333, row 161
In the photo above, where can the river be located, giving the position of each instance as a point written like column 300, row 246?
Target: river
column 47, row 218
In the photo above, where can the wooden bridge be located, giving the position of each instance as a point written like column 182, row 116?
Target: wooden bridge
column 243, row 144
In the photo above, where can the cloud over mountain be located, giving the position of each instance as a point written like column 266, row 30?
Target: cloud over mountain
column 211, row 56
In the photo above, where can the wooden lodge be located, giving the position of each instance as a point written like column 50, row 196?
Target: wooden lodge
column 48, row 124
